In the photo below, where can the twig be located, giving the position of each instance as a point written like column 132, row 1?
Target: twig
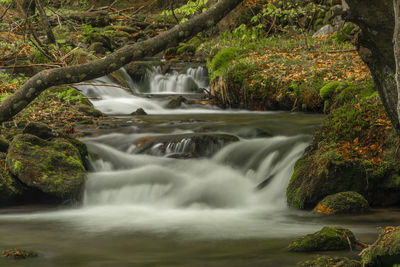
column 56, row 65
column 348, row 240
column 361, row 244
column 69, row 53
column 272, row 25
column 5, row 11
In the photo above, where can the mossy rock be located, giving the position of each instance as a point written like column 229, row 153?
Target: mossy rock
column 139, row 112
column 138, row 70
column 385, row 251
column 323, row 173
column 89, row 110
column 3, row 144
column 329, row 238
column 40, row 130
column 176, row 102
column 342, row 203
column 10, row 189
column 326, row 261
column 53, row 167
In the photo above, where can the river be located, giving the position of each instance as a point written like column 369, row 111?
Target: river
column 194, row 186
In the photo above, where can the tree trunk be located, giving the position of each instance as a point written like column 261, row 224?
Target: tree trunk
column 375, row 46
column 74, row 74
column 45, row 22
column 396, row 44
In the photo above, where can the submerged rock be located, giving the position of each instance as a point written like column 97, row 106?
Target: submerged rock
column 10, row 189
column 139, row 112
column 385, row 251
column 176, row 102
column 326, row 261
column 53, row 167
column 19, row 254
column 342, row 203
column 329, row 238
column 184, row 145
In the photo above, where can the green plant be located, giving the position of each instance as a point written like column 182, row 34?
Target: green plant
column 191, row 8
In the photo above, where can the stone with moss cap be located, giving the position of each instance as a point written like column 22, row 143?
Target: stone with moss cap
column 322, row 173
column 342, row 203
column 54, row 167
column 327, row 261
column 329, row 238
column 385, row 251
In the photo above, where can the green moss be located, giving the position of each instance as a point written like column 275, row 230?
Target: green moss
column 342, row 203
column 221, row 61
column 329, row 238
column 329, row 89
column 17, row 166
column 385, row 251
column 54, row 167
column 327, row 261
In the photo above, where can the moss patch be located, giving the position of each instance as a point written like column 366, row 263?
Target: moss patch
column 385, row 251
column 342, row 203
column 54, row 167
column 326, row 261
column 329, row 238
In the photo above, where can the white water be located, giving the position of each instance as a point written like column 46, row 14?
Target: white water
column 177, row 83
column 213, row 198
column 113, row 100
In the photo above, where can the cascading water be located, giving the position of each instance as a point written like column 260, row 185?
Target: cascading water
column 177, row 83
column 190, row 174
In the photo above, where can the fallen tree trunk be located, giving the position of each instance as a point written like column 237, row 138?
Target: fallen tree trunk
column 377, row 47
column 75, row 74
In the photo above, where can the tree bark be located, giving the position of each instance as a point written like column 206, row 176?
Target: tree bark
column 376, row 47
column 74, row 74
column 45, row 22
column 396, row 44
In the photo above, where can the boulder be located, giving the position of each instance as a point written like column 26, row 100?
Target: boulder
column 53, row 167
column 40, row 130
column 138, row 70
column 329, row 238
column 89, row 110
column 139, row 112
column 322, row 173
column 184, row 145
column 98, row 48
column 176, row 102
column 325, row 30
column 10, row 189
column 327, row 261
column 342, row 203
column 385, row 251
column 3, row 144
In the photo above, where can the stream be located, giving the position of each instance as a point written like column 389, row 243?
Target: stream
column 194, row 186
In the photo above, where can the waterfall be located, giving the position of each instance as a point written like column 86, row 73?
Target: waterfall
column 227, row 180
column 177, row 83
